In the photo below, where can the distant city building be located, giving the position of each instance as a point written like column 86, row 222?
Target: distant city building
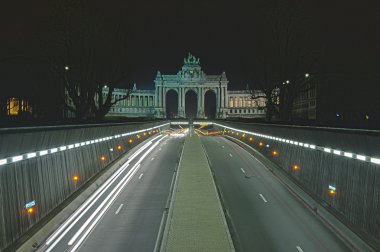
column 305, row 104
column 17, row 106
column 191, row 78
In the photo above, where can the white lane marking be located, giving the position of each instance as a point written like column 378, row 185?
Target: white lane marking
column 230, row 155
column 222, row 146
column 152, row 158
column 118, row 210
column 262, row 197
column 141, row 175
column 242, row 170
column 299, row 249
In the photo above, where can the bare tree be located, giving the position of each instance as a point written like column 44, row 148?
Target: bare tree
column 87, row 51
column 283, row 57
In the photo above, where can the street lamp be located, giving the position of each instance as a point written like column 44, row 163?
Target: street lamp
column 288, row 81
column 67, row 68
column 307, row 75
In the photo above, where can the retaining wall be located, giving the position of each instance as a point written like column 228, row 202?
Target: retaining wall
column 39, row 164
column 356, row 177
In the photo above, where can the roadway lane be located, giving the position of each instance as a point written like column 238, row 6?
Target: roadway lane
column 264, row 215
column 126, row 211
column 133, row 222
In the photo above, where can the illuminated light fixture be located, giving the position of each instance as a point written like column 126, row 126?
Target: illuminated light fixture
column 307, row 75
column 130, row 141
column 31, row 155
column 361, row 157
column 92, row 141
column 237, row 133
column 261, row 144
column 111, row 149
column 144, row 133
column 71, row 146
column 76, row 145
column 348, row 154
column 138, row 136
column 332, row 190
column 75, row 178
column 54, row 150
column 311, row 146
column 17, row 158
column 291, row 142
column 243, row 135
column 337, row 152
column 103, row 158
column 119, row 147
column 328, row 150
column 306, row 145
column 88, row 142
column 3, row 161
column 267, row 145
column 67, row 68
column 251, row 139
column 62, row 148
column 274, row 153
column 296, row 167
column 82, row 143
column 30, row 210
column 287, row 141
column 375, row 160
column 43, row 153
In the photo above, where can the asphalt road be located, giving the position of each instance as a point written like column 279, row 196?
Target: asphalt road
column 127, row 215
column 263, row 214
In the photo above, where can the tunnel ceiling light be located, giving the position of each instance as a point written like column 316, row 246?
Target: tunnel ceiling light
column 306, row 145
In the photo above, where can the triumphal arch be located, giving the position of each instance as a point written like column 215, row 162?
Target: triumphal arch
column 191, row 78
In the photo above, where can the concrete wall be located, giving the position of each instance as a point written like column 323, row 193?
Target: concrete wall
column 48, row 179
column 357, row 182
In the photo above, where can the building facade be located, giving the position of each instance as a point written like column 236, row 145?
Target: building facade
column 191, row 78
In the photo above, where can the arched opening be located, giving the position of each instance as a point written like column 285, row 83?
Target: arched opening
column 210, row 104
column 171, row 104
column 191, row 106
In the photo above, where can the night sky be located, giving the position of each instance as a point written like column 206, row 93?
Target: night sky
column 344, row 36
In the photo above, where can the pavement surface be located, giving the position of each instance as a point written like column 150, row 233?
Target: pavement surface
column 263, row 214
column 126, row 213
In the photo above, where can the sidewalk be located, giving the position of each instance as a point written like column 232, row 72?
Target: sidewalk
column 196, row 220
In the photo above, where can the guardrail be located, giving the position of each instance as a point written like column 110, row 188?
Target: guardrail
column 41, row 167
column 339, row 167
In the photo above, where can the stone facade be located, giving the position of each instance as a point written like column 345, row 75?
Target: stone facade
column 152, row 103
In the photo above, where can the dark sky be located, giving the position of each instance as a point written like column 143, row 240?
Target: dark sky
column 223, row 34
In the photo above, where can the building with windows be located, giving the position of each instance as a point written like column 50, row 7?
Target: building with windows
column 305, row 104
column 191, row 79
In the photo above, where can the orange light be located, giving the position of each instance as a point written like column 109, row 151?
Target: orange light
column 243, row 135
column 75, row 178
column 275, row 153
column 103, row 158
column 295, row 167
column 144, row 133
column 138, row 136
column 119, row 147
column 30, row 210
column 130, row 141
column 251, row 139
column 261, row 144
column 149, row 132
column 237, row 133
column 332, row 192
